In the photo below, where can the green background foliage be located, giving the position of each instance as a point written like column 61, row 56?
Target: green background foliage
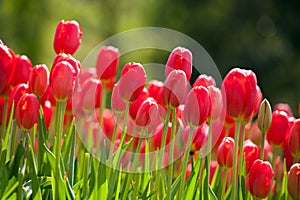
column 260, row 35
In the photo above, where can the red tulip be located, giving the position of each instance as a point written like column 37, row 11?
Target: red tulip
column 67, row 37
column 284, row 107
column 91, row 95
column 48, row 112
column 199, row 136
column 15, row 95
column 278, row 129
column 48, row 96
column 39, row 80
column 197, row 106
column 22, row 70
column 241, row 93
column 251, row 153
column 156, row 140
column 260, row 178
column 205, row 81
column 1, row 107
column 134, row 106
column 27, row 111
column 108, row 124
column 154, row 87
column 132, row 81
column 147, row 114
column 180, row 58
column 225, row 152
column 7, row 68
column 293, row 183
column 294, row 139
column 70, row 59
column 107, row 62
column 117, row 103
column 216, row 102
column 62, row 81
column 174, row 89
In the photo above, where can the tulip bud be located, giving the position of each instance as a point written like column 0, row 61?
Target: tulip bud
column 174, row 89
column 197, row 106
column 225, row 152
column 205, row 81
column 39, row 80
column 62, row 81
column 260, row 179
column 22, row 70
column 251, row 153
column 132, row 81
column 91, row 95
column 67, row 37
column 293, row 183
column 134, row 106
column 27, row 111
column 294, row 139
column 107, row 62
column 264, row 116
column 147, row 114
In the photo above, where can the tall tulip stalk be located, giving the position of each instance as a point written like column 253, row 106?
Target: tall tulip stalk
column 61, row 139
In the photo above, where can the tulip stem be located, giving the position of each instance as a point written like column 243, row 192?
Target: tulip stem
column 185, row 163
column 223, row 183
column 164, row 136
column 235, row 155
column 3, row 122
column 241, row 159
column 209, row 141
column 262, row 150
column 60, row 110
column 171, row 152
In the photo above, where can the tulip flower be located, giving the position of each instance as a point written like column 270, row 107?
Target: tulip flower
column 62, row 81
column 39, row 80
column 134, row 106
column 241, row 93
column 6, row 68
column 205, row 81
column 284, row 107
column 15, row 95
column 48, row 112
column 117, row 103
column 48, row 96
column 293, row 183
column 147, row 114
column 294, row 140
column 174, row 89
column 107, row 62
column 70, row 59
column 91, row 95
column 199, row 136
column 264, row 116
column 180, row 59
column 27, row 111
column 216, row 102
column 260, row 179
column 130, row 90
column 154, row 87
column 67, row 37
column 22, row 70
column 258, row 100
column 251, row 153
column 225, row 152
column 278, row 129
column 156, row 140
column 197, row 106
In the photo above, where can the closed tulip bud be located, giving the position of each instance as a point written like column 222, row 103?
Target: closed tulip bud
column 197, row 106
column 22, row 70
column 240, row 89
column 67, row 37
column 107, row 62
column 260, row 178
column 6, row 68
column 293, row 183
column 225, row 152
column 294, row 139
column 174, row 89
column 147, row 114
column 278, row 129
column 264, row 116
column 39, row 80
column 62, row 81
column 134, row 106
column 180, row 58
column 91, row 95
column 132, row 81
column 251, row 153
column 27, row 111
column 117, row 103
column 205, row 81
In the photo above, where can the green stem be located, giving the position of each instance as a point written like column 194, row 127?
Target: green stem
column 209, row 141
column 3, row 123
column 164, row 137
column 171, row 153
column 85, row 189
column 241, row 160
column 262, row 150
column 235, row 155
column 60, row 110
column 113, row 139
column 185, row 163
column 223, row 183
column 13, row 140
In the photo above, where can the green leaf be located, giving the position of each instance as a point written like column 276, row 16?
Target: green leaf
column 41, row 138
column 192, row 182
column 284, row 192
column 11, row 186
column 118, row 185
column 175, row 186
column 103, row 190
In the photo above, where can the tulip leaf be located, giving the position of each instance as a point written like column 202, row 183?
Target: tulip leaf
column 102, row 182
column 11, row 186
column 284, row 192
column 193, row 180
column 41, row 138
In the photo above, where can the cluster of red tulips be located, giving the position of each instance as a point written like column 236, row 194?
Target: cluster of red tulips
column 226, row 141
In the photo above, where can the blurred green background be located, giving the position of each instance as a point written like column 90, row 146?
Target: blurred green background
column 260, row 35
